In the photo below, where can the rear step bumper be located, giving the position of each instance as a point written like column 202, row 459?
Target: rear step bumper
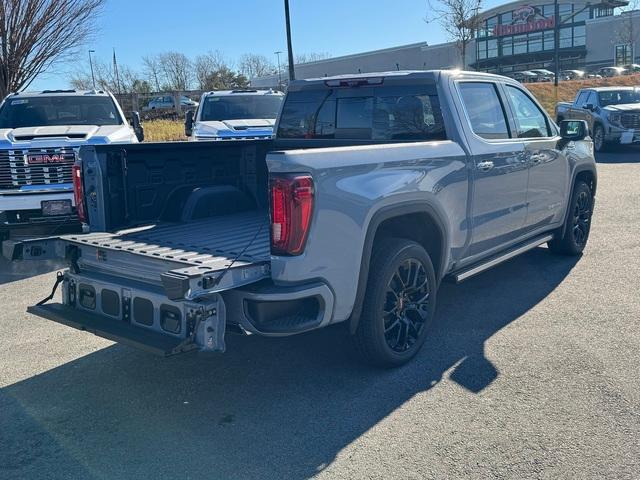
column 115, row 330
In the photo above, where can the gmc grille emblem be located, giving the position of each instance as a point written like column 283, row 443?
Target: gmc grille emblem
column 43, row 158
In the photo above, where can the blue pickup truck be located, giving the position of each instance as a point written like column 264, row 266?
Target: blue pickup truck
column 375, row 188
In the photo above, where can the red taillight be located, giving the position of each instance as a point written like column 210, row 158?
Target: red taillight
column 78, row 192
column 291, row 209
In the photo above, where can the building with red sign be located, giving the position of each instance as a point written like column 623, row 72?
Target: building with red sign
column 513, row 37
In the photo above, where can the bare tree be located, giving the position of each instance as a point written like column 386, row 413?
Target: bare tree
column 36, row 34
column 208, row 64
column 459, row 18
column 152, row 70
column 252, row 65
column 104, row 73
column 176, row 70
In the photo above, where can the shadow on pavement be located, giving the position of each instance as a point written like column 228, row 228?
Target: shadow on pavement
column 268, row 408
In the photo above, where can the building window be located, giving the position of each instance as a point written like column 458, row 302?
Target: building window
column 603, row 12
column 582, row 16
column 565, row 37
column 549, row 40
column 507, row 46
column 579, row 36
column 535, row 42
column 519, row 44
column 566, row 10
column 623, row 54
column 548, row 11
column 482, row 49
column 492, row 48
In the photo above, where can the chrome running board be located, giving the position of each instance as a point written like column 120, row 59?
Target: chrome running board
column 477, row 268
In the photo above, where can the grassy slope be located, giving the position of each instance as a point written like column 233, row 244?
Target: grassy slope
column 545, row 94
column 170, row 130
column 163, row 130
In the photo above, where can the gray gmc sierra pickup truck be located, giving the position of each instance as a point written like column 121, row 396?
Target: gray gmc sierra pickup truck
column 375, row 188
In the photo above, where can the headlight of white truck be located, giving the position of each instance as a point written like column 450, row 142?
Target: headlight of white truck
column 615, row 118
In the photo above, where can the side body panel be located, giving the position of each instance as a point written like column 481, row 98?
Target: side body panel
column 352, row 185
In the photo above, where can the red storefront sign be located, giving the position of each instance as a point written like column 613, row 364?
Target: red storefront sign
column 524, row 22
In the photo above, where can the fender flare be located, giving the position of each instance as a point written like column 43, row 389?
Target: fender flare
column 381, row 215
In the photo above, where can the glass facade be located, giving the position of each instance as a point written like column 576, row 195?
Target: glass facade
column 526, row 34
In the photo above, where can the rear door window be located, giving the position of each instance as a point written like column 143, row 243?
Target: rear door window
column 484, row 109
column 408, row 113
column 531, row 122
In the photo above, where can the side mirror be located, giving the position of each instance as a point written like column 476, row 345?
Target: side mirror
column 588, row 106
column 573, row 130
column 138, row 129
column 188, row 123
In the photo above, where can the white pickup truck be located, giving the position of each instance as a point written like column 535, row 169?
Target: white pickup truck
column 234, row 115
column 40, row 134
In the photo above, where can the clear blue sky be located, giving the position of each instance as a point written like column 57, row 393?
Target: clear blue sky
column 141, row 27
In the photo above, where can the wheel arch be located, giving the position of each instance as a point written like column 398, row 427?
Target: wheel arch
column 586, row 173
column 401, row 221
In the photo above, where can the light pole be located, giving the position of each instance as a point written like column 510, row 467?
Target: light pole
column 279, row 72
column 93, row 78
column 292, row 73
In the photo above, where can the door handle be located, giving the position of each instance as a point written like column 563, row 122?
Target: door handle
column 535, row 159
column 485, row 166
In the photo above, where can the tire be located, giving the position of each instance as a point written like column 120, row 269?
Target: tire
column 599, row 143
column 396, row 315
column 578, row 223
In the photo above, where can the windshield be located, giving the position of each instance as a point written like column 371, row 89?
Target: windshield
column 619, row 97
column 58, row 110
column 241, row 107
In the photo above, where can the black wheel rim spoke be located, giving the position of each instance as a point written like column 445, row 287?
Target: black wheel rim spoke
column 581, row 218
column 406, row 310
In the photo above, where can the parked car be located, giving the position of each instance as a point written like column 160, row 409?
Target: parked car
column 572, row 74
column 612, row 113
column 40, row 133
column 631, row 69
column 612, row 71
column 234, row 114
column 376, row 187
column 167, row 102
column 524, row 76
column 543, row 75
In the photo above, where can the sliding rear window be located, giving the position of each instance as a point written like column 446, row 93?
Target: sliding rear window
column 403, row 113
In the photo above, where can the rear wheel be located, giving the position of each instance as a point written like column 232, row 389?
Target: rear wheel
column 399, row 304
column 578, row 223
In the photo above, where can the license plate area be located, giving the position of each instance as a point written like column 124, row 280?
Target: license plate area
column 51, row 208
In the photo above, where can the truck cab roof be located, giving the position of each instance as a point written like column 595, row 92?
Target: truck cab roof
column 396, row 77
column 240, row 91
column 62, row 93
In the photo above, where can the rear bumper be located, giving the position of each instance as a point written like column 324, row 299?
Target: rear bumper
column 20, row 210
column 143, row 317
column 272, row 310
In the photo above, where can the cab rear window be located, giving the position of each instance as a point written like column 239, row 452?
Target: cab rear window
column 381, row 113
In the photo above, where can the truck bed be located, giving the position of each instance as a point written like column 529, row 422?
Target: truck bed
column 205, row 242
column 166, row 253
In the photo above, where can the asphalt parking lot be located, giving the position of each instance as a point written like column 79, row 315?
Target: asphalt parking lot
column 531, row 372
